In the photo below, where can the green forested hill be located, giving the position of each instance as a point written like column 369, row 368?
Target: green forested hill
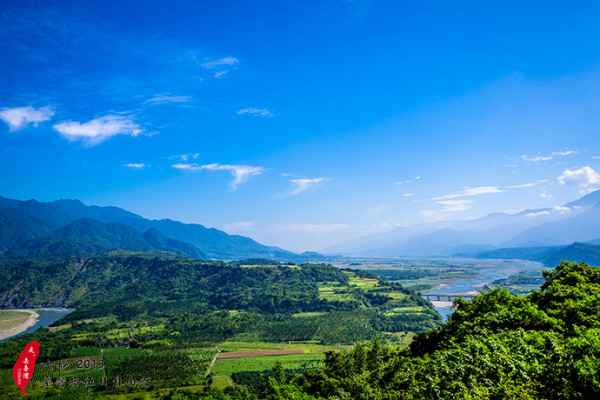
column 89, row 236
column 128, row 284
column 44, row 217
column 588, row 252
column 577, row 252
column 17, row 226
column 542, row 346
column 545, row 345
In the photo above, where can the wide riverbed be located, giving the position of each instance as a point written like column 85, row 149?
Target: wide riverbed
column 46, row 316
column 490, row 270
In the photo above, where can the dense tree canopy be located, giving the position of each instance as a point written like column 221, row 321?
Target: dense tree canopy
column 542, row 346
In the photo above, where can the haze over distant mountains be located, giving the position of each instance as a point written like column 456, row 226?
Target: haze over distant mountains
column 29, row 228
column 32, row 228
column 577, row 221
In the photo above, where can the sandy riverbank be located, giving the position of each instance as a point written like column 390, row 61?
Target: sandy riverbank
column 31, row 321
column 446, row 305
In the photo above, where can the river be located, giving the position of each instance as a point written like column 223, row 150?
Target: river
column 46, row 317
column 492, row 270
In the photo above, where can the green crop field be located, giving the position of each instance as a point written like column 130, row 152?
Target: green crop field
column 291, row 361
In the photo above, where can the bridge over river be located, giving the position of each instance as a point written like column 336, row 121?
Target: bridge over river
column 444, row 297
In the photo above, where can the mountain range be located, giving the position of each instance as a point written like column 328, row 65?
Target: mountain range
column 577, row 221
column 33, row 228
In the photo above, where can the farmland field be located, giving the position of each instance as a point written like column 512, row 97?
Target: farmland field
column 292, row 361
column 261, row 318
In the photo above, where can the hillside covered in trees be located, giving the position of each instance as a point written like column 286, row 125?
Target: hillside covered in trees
column 545, row 345
column 542, row 346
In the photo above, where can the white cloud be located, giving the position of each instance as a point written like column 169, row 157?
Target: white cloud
column 259, row 112
column 545, row 195
column 304, row 184
column 562, row 210
column 220, row 66
column 536, row 158
column 168, row 98
column 135, row 165
column 222, row 62
column 99, row 129
column 469, row 191
column 537, row 214
column 408, row 181
column 451, row 206
column 185, row 157
column 187, row 167
column 524, row 185
column 564, row 153
column 589, row 190
column 596, row 157
column 240, row 173
column 548, row 157
column 582, row 177
column 408, row 194
column 20, row 117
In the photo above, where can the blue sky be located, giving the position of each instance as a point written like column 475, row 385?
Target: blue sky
column 301, row 123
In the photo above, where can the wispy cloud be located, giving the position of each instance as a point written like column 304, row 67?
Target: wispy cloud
column 524, row 185
column 168, row 98
column 562, row 210
column 407, row 181
column 545, row 195
column 19, row 117
column 222, row 62
column 582, row 177
column 408, row 194
column 304, row 184
column 220, row 66
column 452, row 206
column 99, row 129
column 537, row 214
column 135, row 165
column 185, row 157
column 449, row 208
column 471, row 191
column 548, row 157
column 258, row 112
column 240, row 173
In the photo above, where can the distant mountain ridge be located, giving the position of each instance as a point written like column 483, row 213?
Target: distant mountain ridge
column 30, row 226
column 576, row 221
column 88, row 236
column 550, row 256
